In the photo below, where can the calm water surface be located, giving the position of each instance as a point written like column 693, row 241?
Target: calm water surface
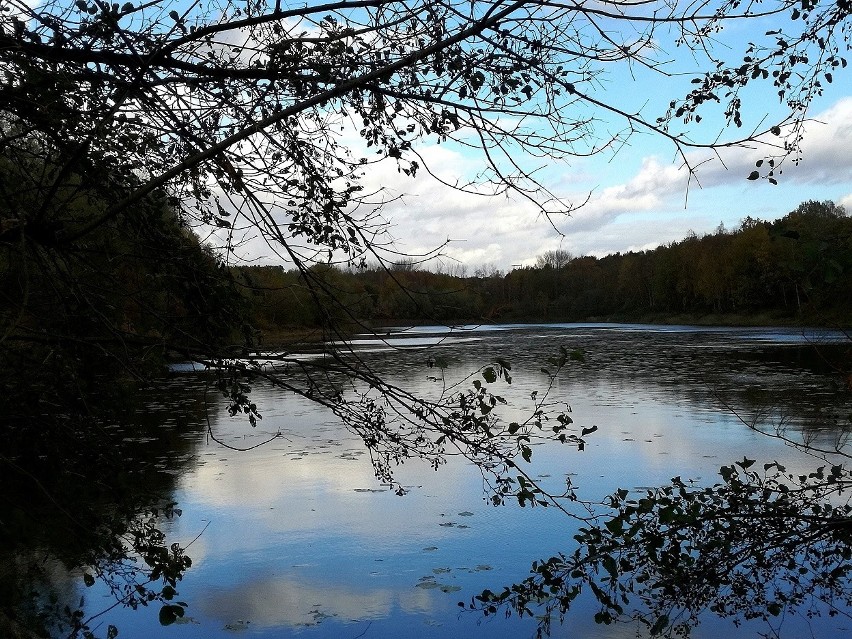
column 297, row 538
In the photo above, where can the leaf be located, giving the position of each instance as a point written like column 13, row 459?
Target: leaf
column 169, row 614
column 615, row 526
column 489, row 375
column 588, row 431
column 660, row 624
column 745, row 463
column 504, row 363
column 609, row 565
column 174, row 15
column 753, row 175
column 88, row 580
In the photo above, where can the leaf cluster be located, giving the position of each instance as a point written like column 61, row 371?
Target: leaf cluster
column 761, row 544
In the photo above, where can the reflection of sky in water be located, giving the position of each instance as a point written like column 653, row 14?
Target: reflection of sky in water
column 301, row 540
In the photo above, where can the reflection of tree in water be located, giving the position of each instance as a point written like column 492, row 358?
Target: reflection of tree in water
column 797, row 392
column 761, row 544
column 90, row 497
column 801, row 386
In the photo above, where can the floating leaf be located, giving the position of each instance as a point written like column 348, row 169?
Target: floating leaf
column 169, row 614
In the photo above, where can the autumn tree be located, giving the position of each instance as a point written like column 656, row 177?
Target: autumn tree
column 240, row 120
column 262, row 120
column 555, row 259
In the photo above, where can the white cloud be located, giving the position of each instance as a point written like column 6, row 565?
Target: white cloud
column 656, row 203
column 296, row 601
column 825, row 153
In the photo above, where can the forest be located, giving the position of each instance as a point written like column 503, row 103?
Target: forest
column 795, row 269
column 141, row 142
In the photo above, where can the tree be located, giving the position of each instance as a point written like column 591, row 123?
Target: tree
column 761, row 544
column 233, row 113
column 554, row 259
column 232, row 119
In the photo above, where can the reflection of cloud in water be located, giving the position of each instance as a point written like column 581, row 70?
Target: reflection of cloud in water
column 319, row 479
column 270, row 601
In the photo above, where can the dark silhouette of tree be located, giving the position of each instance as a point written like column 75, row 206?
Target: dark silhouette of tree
column 555, row 259
column 228, row 116
column 125, row 127
column 761, row 544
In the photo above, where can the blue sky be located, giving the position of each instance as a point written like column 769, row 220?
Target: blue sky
column 639, row 198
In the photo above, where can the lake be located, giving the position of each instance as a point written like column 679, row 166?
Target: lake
column 296, row 538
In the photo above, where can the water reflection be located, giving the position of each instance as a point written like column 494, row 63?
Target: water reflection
column 272, row 602
column 298, row 536
column 79, row 492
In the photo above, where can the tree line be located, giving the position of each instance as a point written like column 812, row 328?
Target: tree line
column 798, row 267
column 125, row 127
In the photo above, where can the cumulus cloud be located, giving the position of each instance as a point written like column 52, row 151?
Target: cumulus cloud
column 825, row 153
column 650, row 208
column 657, row 202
